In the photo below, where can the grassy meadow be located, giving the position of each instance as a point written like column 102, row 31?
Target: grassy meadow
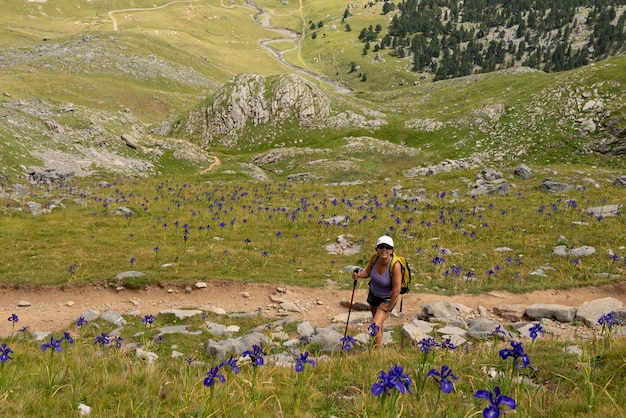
column 181, row 229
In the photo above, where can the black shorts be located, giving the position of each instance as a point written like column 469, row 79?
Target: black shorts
column 374, row 300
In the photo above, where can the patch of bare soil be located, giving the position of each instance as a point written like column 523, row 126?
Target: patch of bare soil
column 55, row 309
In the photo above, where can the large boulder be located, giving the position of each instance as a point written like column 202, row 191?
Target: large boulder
column 253, row 100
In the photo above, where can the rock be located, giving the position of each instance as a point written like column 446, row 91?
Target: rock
column 559, row 312
column 574, row 350
column 130, row 140
column 181, row 313
column 84, row 410
column 290, row 307
column 551, row 186
column 417, row 330
column 129, row 274
column 200, row 285
column 620, row 181
column 523, row 171
column 329, row 339
column 444, row 310
column 564, row 251
column 355, row 318
column 604, row 211
column 484, row 328
column 23, row 304
column 305, row 329
column 49, row 175
column 113, row 317
column 590, row 312
column 510, row 312
column 254, row 100
column 149, row 356
column 356, row 306
column 177, row 329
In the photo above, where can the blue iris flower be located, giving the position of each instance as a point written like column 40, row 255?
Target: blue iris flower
column 427, row 344
column 4, row 353
column 232, row 363
column 13, row 318
column 517, row 352
column 443, row 378
column 103, row 339
column 302, row 361
column 608, row 320
column 148, row 319
column 81, row 321
column 536, row 329
column 347, row 343
column 395, row 378
column 54, row 345
column 212, row 375
column 373, row 329
column 496, row 401
column 256, row 355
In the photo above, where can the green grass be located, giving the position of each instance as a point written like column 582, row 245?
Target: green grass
column 271, row 232
column 121, row 382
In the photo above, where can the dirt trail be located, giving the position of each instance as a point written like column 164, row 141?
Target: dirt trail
column 55, row 309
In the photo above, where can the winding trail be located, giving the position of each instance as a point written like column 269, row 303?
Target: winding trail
column 263, row 19
column 143, row 9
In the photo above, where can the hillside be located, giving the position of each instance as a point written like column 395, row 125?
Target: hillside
column 148, row 89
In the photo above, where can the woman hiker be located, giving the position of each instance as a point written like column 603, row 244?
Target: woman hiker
column 384, row 285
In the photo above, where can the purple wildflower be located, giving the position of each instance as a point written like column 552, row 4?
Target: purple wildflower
column 496, row 401
column 443, row 378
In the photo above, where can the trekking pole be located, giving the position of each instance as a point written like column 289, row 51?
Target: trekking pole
column 345, row 333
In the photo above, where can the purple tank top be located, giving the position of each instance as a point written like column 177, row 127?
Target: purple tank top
column 380, row 284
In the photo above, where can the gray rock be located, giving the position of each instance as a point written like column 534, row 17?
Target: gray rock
column 416, row 332
column 89, row 315
column 290, row 307
column 253, row 100
column 590, row 312
column 451, row 330
column 620, row 181
column 510, row 312
column 564, row 251
column 620, row 315
column 523, row 171
column 552, row 186
column 182, row 313
column 305, row 329
column 484, row 328
column 355, row 318
column 444, row 310
column 561, row 313
column 178, row 329
column 129, row 274
column 40, row 335
column 235, row 346
column 573, row 350
column 130, row 140
column 328, row 338
column 604, row 211
column 216, row 329
column 113, row 317
column 356, row 305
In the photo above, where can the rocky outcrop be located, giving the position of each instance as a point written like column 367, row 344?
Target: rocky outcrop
column 253, row 100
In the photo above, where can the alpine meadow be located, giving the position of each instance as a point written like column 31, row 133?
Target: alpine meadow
column 169, row 147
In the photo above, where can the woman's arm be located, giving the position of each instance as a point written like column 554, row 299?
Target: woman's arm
column 363, row 273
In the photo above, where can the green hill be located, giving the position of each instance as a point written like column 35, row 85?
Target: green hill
column 76, row 77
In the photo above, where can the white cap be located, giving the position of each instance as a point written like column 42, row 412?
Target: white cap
column 385, row 239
